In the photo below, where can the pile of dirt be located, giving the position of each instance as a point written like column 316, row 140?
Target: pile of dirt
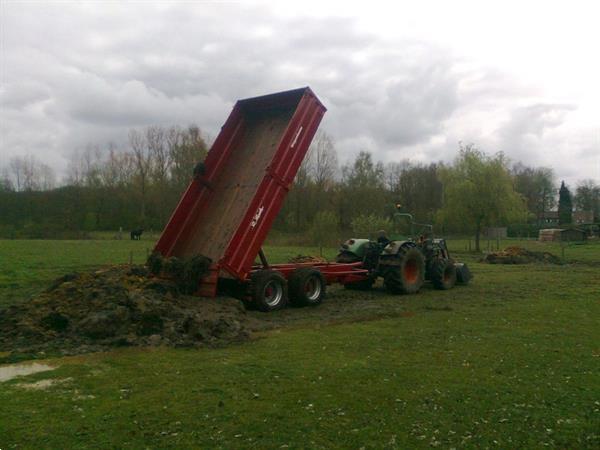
column 519, row 255
column 119, row 306
column 299, row 259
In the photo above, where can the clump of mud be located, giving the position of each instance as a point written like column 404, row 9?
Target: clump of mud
column 519, row 255
column 119, row 306
column 299, row 259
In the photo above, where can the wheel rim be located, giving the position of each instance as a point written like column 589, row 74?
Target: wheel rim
column 312, row 288
column 411, row 271
column 273, row 293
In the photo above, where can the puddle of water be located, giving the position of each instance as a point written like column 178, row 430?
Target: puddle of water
column 17, row 370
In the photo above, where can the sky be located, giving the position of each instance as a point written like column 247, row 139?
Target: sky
column 403, row 80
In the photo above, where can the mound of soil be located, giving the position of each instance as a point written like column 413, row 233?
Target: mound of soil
column 519, row 255
column 299, row 259
column 119, row 306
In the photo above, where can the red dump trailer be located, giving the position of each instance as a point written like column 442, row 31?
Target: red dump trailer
column 229, row 207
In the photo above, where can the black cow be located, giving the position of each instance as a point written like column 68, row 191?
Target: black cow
column 136, row 235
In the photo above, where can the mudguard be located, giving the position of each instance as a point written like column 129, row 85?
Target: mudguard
column 394, row 247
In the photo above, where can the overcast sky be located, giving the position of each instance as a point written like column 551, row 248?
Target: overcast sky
column 402, row 80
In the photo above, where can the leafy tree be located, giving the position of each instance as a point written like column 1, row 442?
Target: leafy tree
column 565, row 205
column 416, row 187
column 362, row 190
column 324, row 229
column 366, row 226
column 536, row 185
column 587, row 198
column 478, row 192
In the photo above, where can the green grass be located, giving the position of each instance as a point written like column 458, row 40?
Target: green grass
column 582, row 252
column 512, row 361
column 27, row 266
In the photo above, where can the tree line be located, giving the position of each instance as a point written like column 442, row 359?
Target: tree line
column 138, row 186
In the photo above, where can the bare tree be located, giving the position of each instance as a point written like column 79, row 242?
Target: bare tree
column 6, row 183
column 16, row 166
column 156, row 139
column 186, row 148
column 47, row 178
column 75, row 169
column 143, row 164
column 322, row 158
column 109, row 169
column 30, row 173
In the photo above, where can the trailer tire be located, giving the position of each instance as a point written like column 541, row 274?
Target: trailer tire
column 405, row 272
column 307, row 287
column 443, row 274
column 269, row 290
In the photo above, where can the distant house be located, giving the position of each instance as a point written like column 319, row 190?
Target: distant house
column 549, row 218
column 580, row 217
column 563, row 235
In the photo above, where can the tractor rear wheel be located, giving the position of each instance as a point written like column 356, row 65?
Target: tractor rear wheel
column 443, row 274
column 269, row 290
column 307, row 287
column 404, row 273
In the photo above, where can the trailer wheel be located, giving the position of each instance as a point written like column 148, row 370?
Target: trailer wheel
column 405, row 272
column 443, row 274
column 269, row 290
column 307, row 287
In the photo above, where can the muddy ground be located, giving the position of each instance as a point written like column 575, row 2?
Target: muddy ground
column 127, row 306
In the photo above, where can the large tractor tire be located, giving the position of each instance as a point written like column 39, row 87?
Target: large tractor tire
column 306, row 287
column 404, row 273
column 443, row 274
column 269, row 290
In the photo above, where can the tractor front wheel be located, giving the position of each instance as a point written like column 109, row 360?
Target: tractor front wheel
column 269, row 290
column 307, row 287
column 443, row 274
column 404, row 273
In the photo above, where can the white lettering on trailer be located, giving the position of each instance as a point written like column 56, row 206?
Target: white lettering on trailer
column 296, row 138
column 256, row 217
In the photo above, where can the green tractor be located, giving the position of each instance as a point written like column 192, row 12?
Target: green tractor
column 405, row 263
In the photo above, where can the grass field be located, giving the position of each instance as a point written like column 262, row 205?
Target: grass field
column 511, row 361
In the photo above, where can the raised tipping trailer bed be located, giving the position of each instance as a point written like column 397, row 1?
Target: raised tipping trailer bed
column 228, row 209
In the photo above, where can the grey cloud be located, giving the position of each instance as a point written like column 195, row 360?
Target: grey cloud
column 534, row 120
column 81, row 74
